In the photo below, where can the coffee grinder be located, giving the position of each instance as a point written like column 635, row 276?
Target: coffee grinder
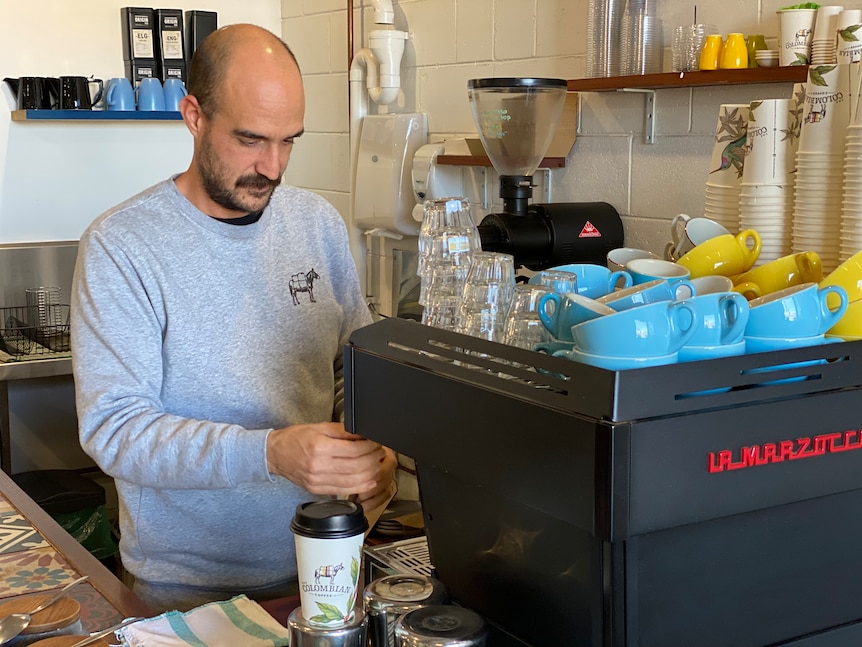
column 516, row 119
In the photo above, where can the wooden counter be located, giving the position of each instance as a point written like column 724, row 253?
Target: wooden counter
column 38, row 555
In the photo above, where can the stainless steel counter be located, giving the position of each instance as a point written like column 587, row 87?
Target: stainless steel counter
column 29, row 369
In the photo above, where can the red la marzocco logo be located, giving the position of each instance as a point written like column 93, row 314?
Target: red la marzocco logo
column 589, row 231
column 784, row 450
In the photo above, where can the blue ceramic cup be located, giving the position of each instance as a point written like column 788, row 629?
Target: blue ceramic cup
column 794, row 312
column 648, row 331
column 651, row 292
column 151, row 95
column 560, row 312
column 595, row 280
column 174, row 90
column 721, row 319
column 119, row 94
column 644, row 270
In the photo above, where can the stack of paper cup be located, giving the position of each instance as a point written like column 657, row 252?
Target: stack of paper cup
column 823, row 45
column 820, row 163
column 851, row 214
column 726, row 165
column 796, row 28
column 766, row 193
column 849, row 43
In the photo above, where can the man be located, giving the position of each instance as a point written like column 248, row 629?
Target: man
column 208, row 317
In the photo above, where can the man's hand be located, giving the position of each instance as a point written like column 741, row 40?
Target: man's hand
column 385, row 488
column 325, row 459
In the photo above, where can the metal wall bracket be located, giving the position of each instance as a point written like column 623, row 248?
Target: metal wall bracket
column 649, row 112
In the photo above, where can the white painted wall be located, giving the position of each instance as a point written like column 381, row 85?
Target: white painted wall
column 452, row 41
column 56, row 177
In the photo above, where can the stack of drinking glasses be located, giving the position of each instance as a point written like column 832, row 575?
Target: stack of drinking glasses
column 641, row 41
column 448, row 238
column 603, row 37
column 820, row 163
column 687, row 42
column 487, row 296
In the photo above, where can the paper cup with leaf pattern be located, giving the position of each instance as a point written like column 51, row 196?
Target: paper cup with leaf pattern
column 796, row 28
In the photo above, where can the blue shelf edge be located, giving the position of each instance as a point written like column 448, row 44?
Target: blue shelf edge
column 95, row 115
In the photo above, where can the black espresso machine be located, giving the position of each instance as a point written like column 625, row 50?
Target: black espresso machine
column 707, row 504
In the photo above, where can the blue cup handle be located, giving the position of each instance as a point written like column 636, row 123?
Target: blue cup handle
column 684, row 326
column 683, row 283
column 831, row 317
column 734, row 310
column 615, row 278
column 550, row 320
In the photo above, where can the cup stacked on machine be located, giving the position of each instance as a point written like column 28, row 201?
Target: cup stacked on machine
column 820, row 165
column 487, row 296
column 448, row 238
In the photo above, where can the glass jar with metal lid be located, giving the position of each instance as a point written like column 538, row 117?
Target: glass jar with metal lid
column 388, row 598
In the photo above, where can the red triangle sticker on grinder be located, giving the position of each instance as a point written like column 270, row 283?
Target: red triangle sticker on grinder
column 589, row 231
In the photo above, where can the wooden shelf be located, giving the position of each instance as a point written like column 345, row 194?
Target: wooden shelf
column 94, row 115
column 790, row 74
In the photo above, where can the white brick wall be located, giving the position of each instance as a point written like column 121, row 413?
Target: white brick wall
column 455, row 40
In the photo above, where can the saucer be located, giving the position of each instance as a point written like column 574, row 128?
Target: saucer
column 695, row 353
column 620, row 363
column 765, row 344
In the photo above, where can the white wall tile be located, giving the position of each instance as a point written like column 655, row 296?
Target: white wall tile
column 514, row 29
column 322, row 6
column 597, row 170
column 309, row 38
column 291, row 8
column 561, row 27
column 338, row 40
column 474, row 30
column 568, row 67
column 320, row 161
column 326, row 103
column 434, row 30
column 442, row 94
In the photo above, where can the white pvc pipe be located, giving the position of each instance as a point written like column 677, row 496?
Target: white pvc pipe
column 383, row 13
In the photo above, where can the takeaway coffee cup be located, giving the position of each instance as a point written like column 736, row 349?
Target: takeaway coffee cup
column 329, row 537
column 794, row 312
column 796, row 27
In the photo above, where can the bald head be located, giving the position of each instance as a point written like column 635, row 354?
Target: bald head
column 231, row 52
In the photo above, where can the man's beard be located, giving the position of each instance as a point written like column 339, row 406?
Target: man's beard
column 218, row 188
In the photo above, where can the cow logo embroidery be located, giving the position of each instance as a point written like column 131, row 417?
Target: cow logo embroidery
column 327, row 571
column 302, row 282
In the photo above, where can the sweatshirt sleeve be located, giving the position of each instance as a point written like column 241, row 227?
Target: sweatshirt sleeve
column 117, row 330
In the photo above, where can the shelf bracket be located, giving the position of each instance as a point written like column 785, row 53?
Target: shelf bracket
column 649, row 112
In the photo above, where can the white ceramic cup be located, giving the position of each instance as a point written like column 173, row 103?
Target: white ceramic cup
column 695, row 232
column 617, row 258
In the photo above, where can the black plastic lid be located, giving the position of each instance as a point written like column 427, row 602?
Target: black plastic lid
column 331, row 519
column 443, row 621
column 517, row 83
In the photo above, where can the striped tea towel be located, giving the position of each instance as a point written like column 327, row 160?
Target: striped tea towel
column 231, row 623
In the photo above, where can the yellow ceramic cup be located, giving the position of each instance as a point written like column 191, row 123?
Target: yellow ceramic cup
column 734, row 54
column 710, row 53
column 848, row 275
column 850, row 325
column 793, row 269
column 726, row 255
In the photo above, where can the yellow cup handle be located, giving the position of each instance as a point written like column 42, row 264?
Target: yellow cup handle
column 810, row 267
column 749, row 290
column 749, row 254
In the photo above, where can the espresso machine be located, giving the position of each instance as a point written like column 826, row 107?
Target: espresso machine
column 516, row 119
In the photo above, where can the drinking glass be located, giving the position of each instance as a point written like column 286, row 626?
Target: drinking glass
column 487, row 295
column 524, row 328
column 559, row 281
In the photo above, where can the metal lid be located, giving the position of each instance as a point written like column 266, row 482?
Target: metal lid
column 331, row 519
column 441, row 626
column 306, row 634
column 403, row 592
column 516, row 83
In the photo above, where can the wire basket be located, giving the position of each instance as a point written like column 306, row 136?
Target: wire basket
column 34, row 330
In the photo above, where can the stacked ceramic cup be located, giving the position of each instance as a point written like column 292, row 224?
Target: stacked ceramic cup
column 766, row 192
column 723, row 184
column 851, row 214
column 820, row 163
column 823, row 43
column 448, row 238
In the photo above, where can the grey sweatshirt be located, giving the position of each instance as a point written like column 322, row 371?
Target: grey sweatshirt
column 192, row 339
